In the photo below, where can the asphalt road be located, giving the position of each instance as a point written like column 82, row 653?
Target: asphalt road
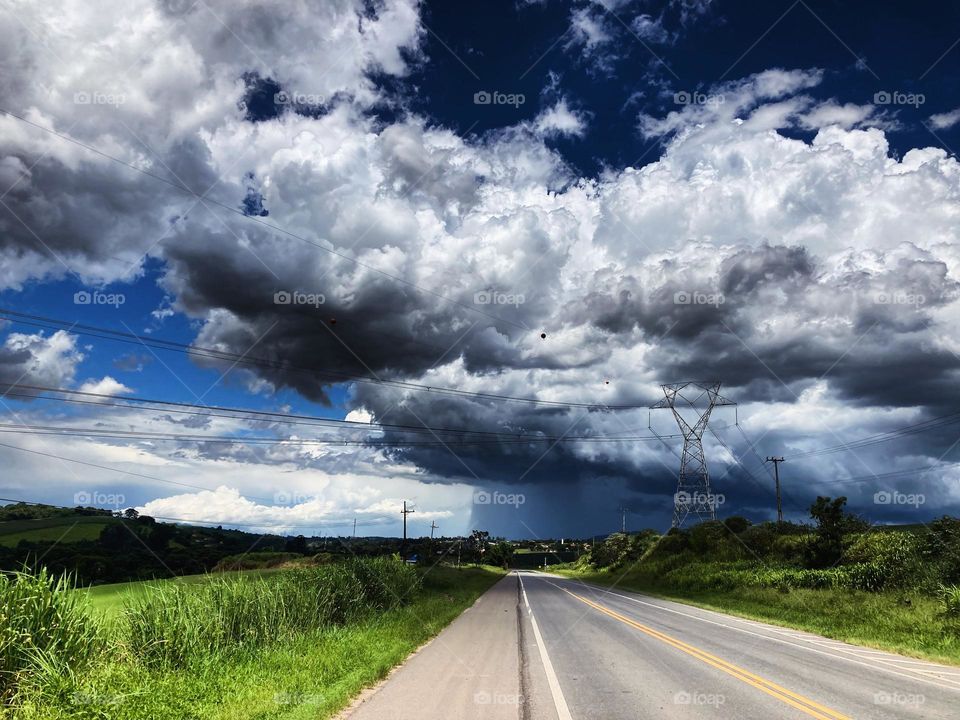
column 541, row 646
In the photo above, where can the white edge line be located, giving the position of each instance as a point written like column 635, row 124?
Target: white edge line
column 563, row 711
column 872, row 666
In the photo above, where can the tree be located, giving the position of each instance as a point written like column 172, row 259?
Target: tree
column 501, row 554
column 476, row 545
column 833, row 525
column 131, row 514
column 296, row 544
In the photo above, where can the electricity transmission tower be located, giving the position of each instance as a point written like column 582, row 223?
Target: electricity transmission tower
column 697, row 399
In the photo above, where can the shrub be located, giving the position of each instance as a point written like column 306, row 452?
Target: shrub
column 759, row 539
column 736, row 524
column 43, row 626
column 950, row 594
column 942, row 549
column 673, row 543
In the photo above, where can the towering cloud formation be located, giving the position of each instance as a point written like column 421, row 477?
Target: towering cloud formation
column 816, row 275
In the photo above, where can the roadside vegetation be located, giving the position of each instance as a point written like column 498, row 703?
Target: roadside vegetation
column 288, row 643
column 891, row 588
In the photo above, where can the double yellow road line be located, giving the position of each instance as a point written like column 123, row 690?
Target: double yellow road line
column 804, row 704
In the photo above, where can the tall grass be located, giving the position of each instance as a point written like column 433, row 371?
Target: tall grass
column 43, row 626
column 176, row 625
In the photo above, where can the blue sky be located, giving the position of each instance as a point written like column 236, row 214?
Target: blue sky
column 452, row 180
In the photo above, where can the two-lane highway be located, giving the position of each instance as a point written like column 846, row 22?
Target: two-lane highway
column 620, row 655
column 543, row 647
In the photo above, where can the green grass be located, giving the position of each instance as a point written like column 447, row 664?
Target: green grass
column 907, row 623
column 109, row 599
column 64, row 529
column 302, row 665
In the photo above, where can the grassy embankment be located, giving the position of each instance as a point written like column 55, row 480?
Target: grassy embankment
column 887, row 591
column 277, row 644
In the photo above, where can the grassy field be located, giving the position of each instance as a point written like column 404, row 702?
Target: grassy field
column 109, row 599
column 63, row 529
column 286, row 644
column 909, row 623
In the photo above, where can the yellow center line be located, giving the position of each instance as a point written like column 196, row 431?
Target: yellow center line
column 806, row 705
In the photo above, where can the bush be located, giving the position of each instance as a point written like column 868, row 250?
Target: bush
column 951, row 600
column 736, row 524
column 942, row 549
column 673, row 543
column 43, row 627
column 759, row 539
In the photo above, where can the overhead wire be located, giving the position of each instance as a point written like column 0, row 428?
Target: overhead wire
column 332, row 375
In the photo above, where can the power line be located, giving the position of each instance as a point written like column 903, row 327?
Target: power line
column 276, row 228
column 331, row 375
column 119, row 470
column 912, row 429
column 176, row 407
column 34, row 429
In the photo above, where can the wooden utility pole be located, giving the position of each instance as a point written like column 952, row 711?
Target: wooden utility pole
column 404, row 512
column 776, row 473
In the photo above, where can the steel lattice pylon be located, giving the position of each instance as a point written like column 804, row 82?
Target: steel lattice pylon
column 693, row 495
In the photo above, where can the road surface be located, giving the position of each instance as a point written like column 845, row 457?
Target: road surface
column 541, row 646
